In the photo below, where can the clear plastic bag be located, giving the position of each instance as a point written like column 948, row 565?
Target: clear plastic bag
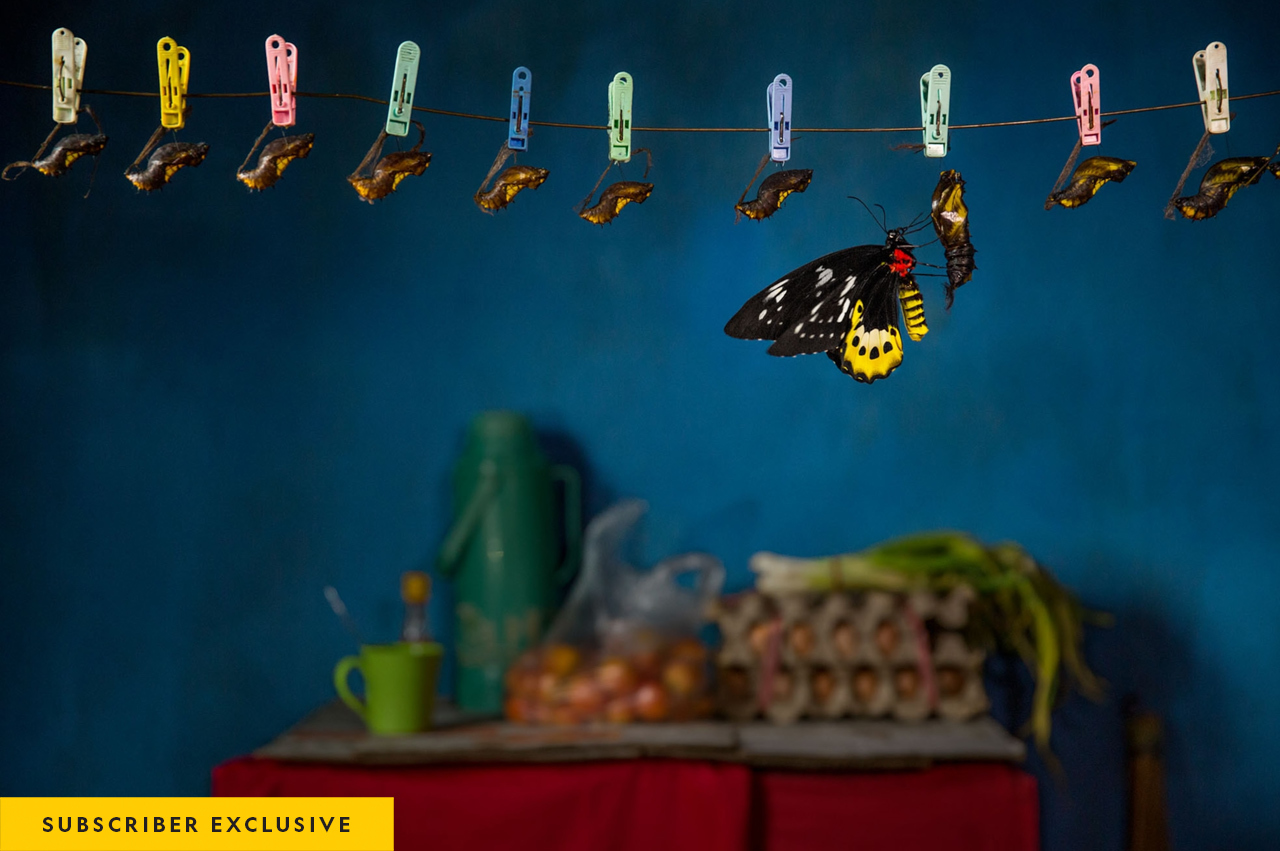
column 624, row 647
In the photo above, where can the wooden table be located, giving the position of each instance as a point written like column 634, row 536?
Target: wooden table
column 703, row 786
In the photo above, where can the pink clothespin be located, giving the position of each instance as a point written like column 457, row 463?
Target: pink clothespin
column 282, row 76
column 1086, row 92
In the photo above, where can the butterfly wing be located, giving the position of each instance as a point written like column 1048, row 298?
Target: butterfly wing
column 871, row 346
column 807, row 310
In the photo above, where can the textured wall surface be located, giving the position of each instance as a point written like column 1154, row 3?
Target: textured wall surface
column 213, row 403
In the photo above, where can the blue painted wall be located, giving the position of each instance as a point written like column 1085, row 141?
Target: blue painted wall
column 215, row 403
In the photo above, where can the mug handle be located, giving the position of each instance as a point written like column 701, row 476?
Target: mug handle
column 572, row 521
column 340, row 673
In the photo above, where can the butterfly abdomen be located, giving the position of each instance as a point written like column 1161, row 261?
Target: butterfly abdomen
column 912, row 309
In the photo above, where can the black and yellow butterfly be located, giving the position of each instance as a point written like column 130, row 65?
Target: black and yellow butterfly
column 844, row 304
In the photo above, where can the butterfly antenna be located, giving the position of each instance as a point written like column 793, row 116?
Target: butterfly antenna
column 916, row 223
column 871, row 214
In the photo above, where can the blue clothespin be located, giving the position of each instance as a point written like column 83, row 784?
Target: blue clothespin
column 779, row 102
column 521, row 90
column 400, row 109
column 935, row 110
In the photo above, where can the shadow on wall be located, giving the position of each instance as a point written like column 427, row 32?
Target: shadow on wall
column 1146, row 663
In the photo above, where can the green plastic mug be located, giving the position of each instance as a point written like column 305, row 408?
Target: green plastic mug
column 399, row 685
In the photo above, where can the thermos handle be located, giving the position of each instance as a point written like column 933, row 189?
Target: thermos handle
column 572, row 521
column 456, row 541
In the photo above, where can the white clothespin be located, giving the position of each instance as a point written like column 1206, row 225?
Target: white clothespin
column 1210, row 66
column 68, row 74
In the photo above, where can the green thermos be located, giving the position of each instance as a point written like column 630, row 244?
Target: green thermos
column 502, row 551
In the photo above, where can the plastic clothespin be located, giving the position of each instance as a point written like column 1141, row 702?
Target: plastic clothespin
column 935, row 110
column 778, row 98
column 403, row 86
column 282, row 81
column 1086, row 91
column 68, row 74
column 1210, row 66
column 175, row 71
column 620, row 91
column 521, row 91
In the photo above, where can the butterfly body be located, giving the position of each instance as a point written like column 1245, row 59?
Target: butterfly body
column 69, row 149
column 844, row 304
column 66, row 151
column 773, row 190
column 273, row 160
column 509, row 184
column 1223, row 179
column 1088, row 178
column 614, row 198
column 950, row 217
column 165, row 162
column 388, row 173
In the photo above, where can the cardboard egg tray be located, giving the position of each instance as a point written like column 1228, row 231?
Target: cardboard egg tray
column 846, row 654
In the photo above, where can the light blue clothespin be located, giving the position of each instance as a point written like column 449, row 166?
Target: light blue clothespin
column 400, row 110
column 779, row 101
column 620, row 91
column 521, row 90
column 935, row 110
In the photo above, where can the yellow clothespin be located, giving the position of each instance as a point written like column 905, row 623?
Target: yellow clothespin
column 175, row 68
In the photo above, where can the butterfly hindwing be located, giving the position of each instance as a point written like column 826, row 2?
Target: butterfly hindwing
column 871, row 346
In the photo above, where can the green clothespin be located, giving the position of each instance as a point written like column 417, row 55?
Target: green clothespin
column 620, row 117
column 400, row 110
column 935, row 110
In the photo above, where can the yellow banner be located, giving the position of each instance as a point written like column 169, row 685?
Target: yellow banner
column 197, row 824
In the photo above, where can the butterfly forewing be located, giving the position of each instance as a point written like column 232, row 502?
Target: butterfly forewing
column 805, row 310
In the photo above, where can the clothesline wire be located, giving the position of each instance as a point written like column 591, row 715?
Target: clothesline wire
column 474, row 116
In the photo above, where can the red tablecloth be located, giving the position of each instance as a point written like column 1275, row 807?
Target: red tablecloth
column 672, row 805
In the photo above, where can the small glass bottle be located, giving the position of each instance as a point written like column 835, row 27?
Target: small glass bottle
column 415, row 589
